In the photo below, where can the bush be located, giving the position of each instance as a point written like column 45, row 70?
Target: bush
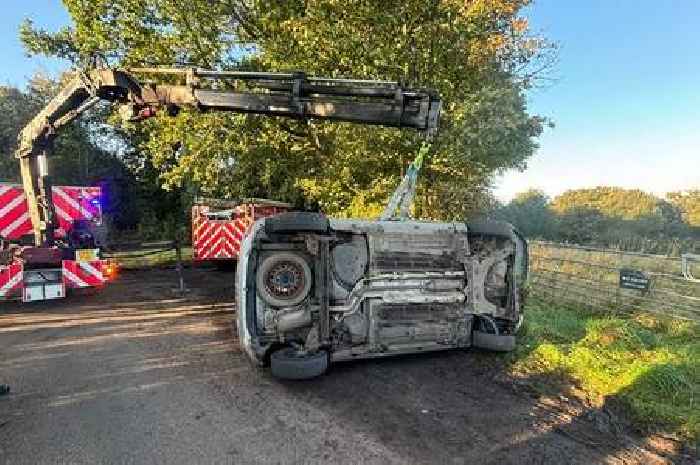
column 607, row 217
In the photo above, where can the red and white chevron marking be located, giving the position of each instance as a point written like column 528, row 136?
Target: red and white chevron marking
column 82, row 274
column 76, row 203
column 14, row 216
column 219, row 239
column 10, row 281
column 71, row 203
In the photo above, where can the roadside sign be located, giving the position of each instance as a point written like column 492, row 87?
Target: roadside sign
column 634, row 279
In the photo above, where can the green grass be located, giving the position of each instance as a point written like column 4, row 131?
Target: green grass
column 650, row 366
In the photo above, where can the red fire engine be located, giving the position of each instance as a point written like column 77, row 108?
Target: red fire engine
column 218, row 226
column 32, row 273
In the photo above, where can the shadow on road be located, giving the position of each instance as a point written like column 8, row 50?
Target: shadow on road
column 450, row 407
column 461, row 408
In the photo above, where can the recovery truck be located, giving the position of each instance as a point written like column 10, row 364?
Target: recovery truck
column 79, row 223
column 49, row 262
column 312, row 290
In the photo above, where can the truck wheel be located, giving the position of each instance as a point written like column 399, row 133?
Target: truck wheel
column 297, row 222
column 289, row 363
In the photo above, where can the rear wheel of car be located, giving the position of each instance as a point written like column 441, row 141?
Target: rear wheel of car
column 290, row 363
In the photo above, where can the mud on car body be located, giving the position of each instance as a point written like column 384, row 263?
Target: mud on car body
column 311, row 291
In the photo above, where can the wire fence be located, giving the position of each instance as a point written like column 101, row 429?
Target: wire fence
column 137, row 255
column 611, row 280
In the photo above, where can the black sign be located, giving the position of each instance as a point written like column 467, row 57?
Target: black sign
column 634, row 279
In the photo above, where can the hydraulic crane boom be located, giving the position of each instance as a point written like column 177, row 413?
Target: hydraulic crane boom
column 292, row 95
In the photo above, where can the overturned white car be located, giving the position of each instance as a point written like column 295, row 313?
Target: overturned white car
column 311, row 291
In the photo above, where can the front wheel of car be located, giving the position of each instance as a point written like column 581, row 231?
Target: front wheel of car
column 290, row 363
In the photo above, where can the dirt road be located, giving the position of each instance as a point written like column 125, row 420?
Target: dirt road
column 137, row 375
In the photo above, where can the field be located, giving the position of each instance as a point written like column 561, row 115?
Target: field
column 647, row 366
column 618, row 348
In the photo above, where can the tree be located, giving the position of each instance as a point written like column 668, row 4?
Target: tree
column 478, row 54
column 72, row 154
column 628, row 204
column 76, row 158
column 529, row 211
column 607, row 216
column 17, row 108
column 688, row 202
column 582, row 225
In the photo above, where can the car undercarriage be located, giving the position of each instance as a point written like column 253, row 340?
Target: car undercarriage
column 312, row 291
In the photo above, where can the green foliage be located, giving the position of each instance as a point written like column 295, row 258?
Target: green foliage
column 647, row 364
column 137, row 32
column 478, row 54
column 615, row 202
column 140, row 259
column 77, row 158
column 17, row 108
column 582, row 225
column 530, row 212
column 608, row 216
column 688, row 202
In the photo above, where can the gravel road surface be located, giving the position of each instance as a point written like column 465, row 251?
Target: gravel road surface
column 137, row 375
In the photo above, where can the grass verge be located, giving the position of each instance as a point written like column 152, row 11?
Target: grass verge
column 649, row 366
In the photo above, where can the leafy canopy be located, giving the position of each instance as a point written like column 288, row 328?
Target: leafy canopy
column 609, row 216
column 617, row 202
column 688, row 202
column 75, row 155
column 477, row 53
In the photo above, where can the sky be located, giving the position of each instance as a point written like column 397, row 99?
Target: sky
column 15, row 67
column 625, row 97
column 625, row 101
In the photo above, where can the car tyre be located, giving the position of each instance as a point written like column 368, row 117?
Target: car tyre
column 289, row 363
column 297, row 222
column 293, row 261
column 494, row 342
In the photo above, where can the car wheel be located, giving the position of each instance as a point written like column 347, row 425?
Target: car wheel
column 289, row 363
column 495, row 342
column 284, row 279
column 297, row 222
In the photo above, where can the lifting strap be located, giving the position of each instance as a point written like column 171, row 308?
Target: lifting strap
column 403, row 196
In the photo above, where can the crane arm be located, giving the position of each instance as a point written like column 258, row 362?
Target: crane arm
column 292, row 95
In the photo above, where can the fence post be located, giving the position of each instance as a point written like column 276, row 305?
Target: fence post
column 178, row 267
